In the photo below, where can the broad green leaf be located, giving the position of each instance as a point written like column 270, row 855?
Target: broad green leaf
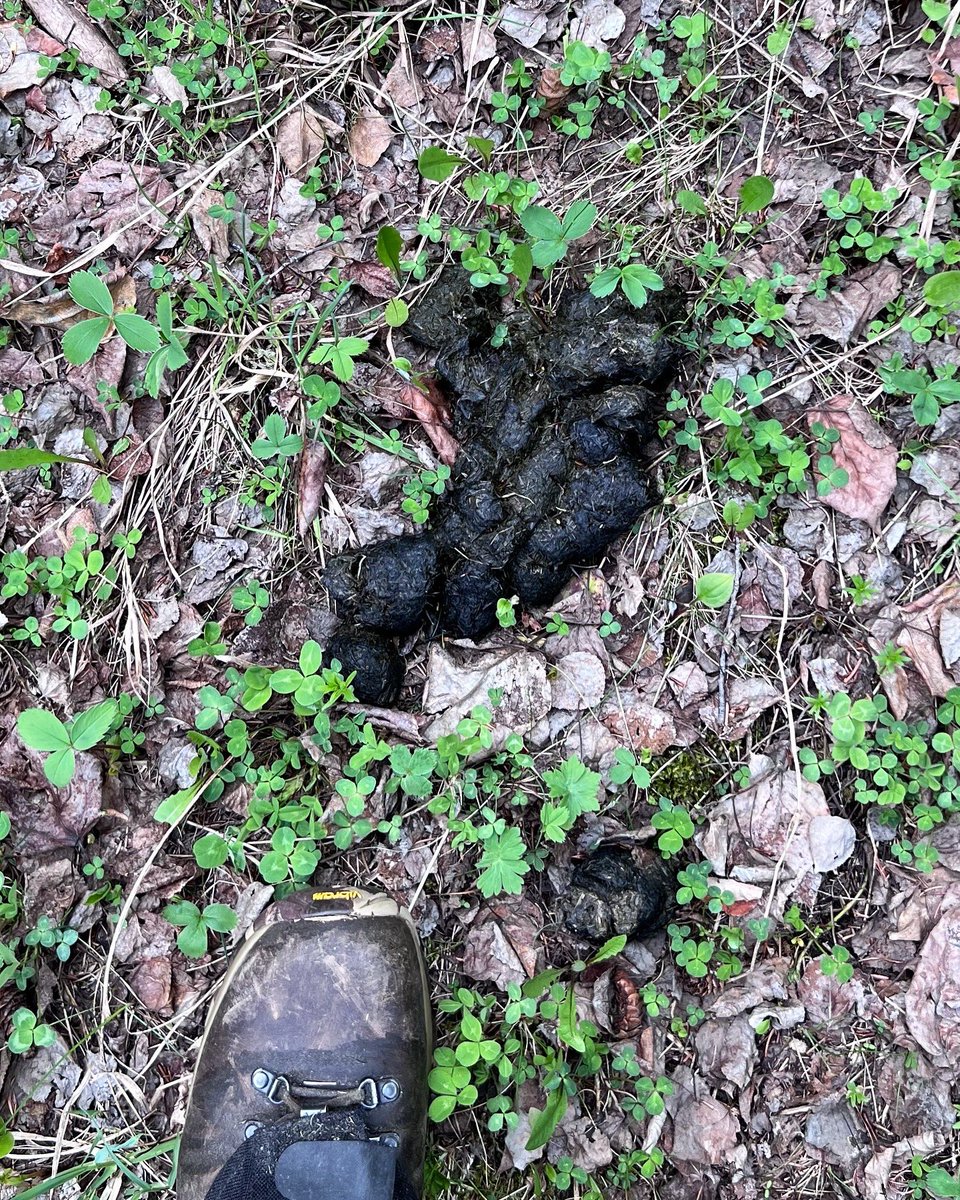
column 44, row 1035
column 170, row 810
column 437, row 164
column 467, row 1053
column 88, row 728
column 389, row 248
column 691, row 203
column 441, row 1107
column 943, row 291
column 714, row 588
column 181, row 912
column 19, row 460
column 545, row 254
column 192, row 939
column 540, row 222
column 396, row 312
column 81, row 341
column 579, row 219
column 210, row 851
column 220, row 918
column 471, row 1027
column 544, row 1123
column 6, row 1140
column 91, row 292
column 311, row 656
column 483, row 146
column 778, row 40
column 285, row 681
column 610, row 948
column 137, row 332
column 274, row 867
column 605, row 282
column 568, row 1025
column 59, row 767
column 755, row 194
column 521, row 264
column 41, row 730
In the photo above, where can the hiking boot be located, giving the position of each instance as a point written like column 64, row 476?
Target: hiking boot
column 311, row 1082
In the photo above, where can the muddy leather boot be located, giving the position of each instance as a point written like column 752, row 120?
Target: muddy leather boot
column 311, row 1083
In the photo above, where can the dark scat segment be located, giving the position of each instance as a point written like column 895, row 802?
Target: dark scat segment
column 618, row 891
column 376, row 662
column 386, row 586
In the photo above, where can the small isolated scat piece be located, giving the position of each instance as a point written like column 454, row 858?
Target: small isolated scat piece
column 618, row 891
column 373, row 660
column 550, row 469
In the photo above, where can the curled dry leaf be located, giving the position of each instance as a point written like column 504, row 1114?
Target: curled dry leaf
column 59, row 310
column 430, row 408
column 70, row 24
column 552, row 88
column 300, row 139
column 369, row 137
column 844, row 314
column 865, row 452
column 920, row 634
column 20, row 53
column 313, row 474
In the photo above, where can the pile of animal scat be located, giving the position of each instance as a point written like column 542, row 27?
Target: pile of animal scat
column 551, row 470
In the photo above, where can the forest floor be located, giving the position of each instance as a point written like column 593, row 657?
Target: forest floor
column 216, row 225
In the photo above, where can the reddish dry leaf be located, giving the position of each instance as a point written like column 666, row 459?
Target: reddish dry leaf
column 552, row 89
column 503, row 944
column 369, row 138
column 151, row 984
column 375, row 279
column 71, row 25
column 20, row 57
column 944, row 69
column 430, row 409
column 313, row 474
column 933, row 998
column 135, row 460
column 865, row 452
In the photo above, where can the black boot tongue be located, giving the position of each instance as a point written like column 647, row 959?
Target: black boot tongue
column 336, row 1171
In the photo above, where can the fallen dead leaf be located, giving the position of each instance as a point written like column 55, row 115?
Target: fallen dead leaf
column 933, row 997
column 20, row 53
column 401, row 84
column 727, row 1050
column 312, row 475
column 832, row 841
column 836, row 1131
column 71, row 25
column 151, row 983
column 552, row 88
column 429, row 406
column 377, row 280
column 579, row 683
column 212, row 234
column 597, row 22
column 478, row 43
column 503, row 944
column 704, row 1130
column 843, row 315
column 920, row 634
column 528, row 26
column 455, row 684
column 300, row 139
column 865, row 452
column 369, row 137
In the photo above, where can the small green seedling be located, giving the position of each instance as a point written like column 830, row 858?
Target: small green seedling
column 41, row 730
column 81, row 341
column 192, row 938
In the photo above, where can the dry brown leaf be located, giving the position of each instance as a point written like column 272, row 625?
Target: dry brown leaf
column 503, row 943
column 312, row 476
column 865, row 452
column 378, row 280
column 552, row 88
column 477, row 43
column 430, row 409
column 151, row 984
column 19, row 368
column 704, row 1130
column 212, row 234
column 300, row 140
column 933, row 998
column 59, row 310
column 369, row 137
column 920, row 634
column 526, row 25
column 843, row 314
column 71, row 25
column 401, row 84
column 944, row 69
column 597, row 22
column 20, row 57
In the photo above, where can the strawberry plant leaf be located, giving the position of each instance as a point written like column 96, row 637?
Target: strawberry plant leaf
column 81, row 341
column 91, row 292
